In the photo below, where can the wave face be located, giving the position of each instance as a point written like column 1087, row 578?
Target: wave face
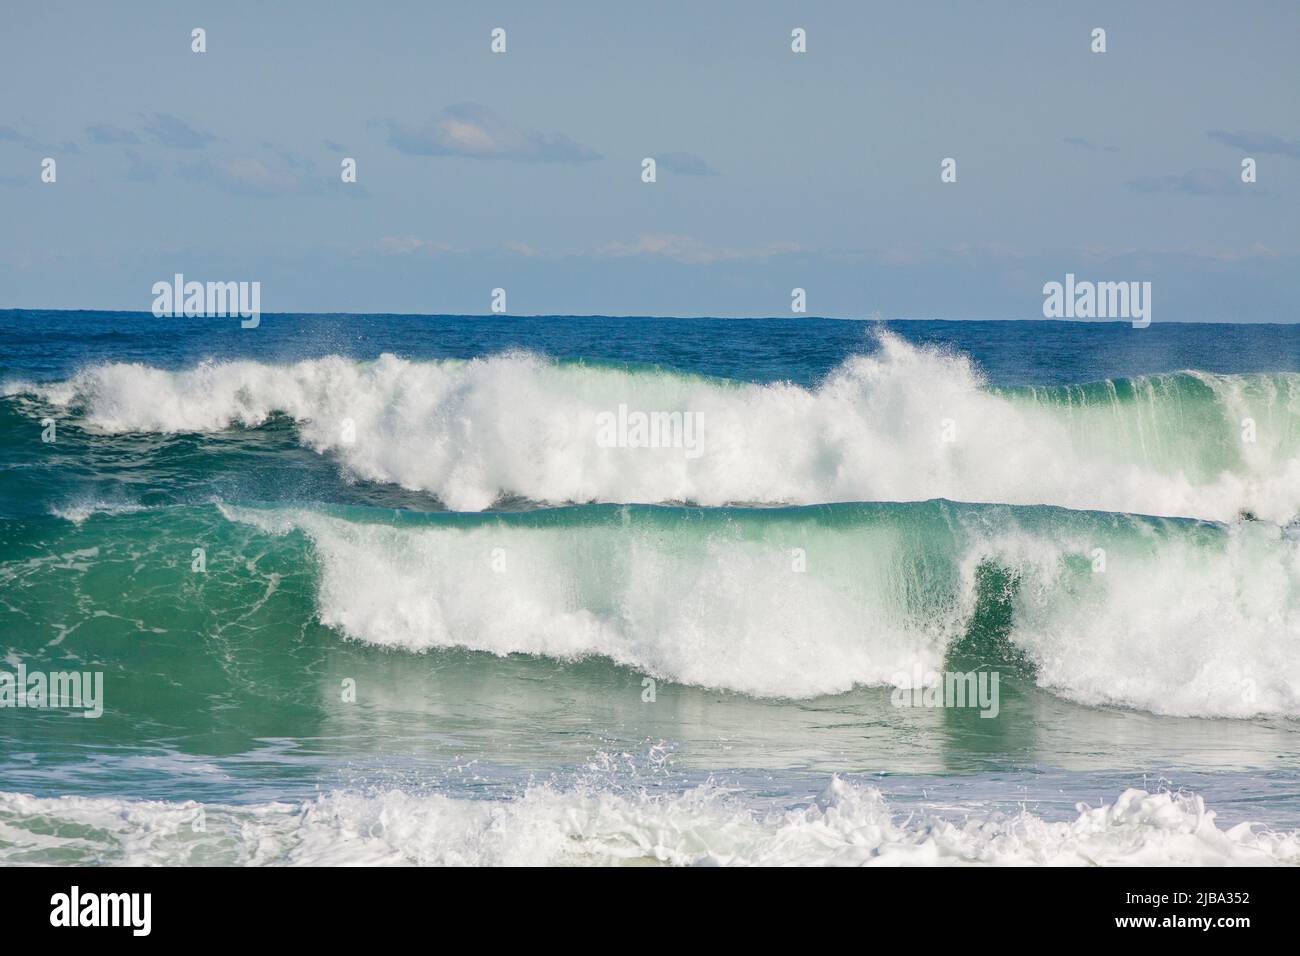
column 847, row 825
column 904, row 423
column 1171, row 616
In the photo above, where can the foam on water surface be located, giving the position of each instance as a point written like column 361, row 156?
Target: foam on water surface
column 847, row 825
column 903, row 423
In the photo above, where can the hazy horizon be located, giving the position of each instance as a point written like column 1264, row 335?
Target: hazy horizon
column 636, row 317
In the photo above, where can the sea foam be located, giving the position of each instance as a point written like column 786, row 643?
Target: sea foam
column 903, row 423
column 847, row 825
column 1171, row 616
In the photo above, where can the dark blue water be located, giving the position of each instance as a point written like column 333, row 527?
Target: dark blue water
column 54, row 344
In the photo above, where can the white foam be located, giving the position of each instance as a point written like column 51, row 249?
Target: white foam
column 78, row 510
column 1204, row 622
column 875, row 430
column 716, row 610
column 847, row 825
column 1190, row 620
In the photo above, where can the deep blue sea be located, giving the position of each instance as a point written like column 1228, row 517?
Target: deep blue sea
column 459, row 589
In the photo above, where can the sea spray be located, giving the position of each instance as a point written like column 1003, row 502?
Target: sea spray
column 902, row 424
column 847, row 824
column 713, row 597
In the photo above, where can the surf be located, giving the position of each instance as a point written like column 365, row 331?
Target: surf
column 807, row 601
column 1171, row 616
column 902, row 423
column 846, row 824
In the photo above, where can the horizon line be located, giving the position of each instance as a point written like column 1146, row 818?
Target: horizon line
column 670, row 318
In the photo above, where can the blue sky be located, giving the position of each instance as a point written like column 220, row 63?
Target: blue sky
column 775, row 170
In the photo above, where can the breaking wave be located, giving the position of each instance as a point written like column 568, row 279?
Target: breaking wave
column 1171, row 616
column 903, row 423
column 847, row 825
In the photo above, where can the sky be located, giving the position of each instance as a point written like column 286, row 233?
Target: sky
column 775, row 170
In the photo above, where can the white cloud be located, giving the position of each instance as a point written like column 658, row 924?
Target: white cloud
column 474, row 131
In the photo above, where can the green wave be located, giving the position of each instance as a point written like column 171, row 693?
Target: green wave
column 781, row 602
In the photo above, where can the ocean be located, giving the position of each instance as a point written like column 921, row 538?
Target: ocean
column 524, row 590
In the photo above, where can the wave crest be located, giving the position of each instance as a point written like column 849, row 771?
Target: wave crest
column 901, row 424
column 1183, row 618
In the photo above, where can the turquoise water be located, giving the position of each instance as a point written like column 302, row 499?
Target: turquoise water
column 436, row 621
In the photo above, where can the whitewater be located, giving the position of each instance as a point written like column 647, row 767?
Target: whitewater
column 902, row 423
column 846, row 825
column 818, row 600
